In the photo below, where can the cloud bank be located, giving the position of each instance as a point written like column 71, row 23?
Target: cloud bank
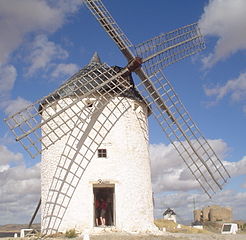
column 20, row 187
column 172, row 190
column 225, row 20
column 169, row 172
column 18, row 18
column 234, row 88
column 8, row 76
column 24, row 29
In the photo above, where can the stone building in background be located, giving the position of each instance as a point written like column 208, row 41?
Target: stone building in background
column 213, row 213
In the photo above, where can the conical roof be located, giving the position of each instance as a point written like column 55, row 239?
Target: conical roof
column 95, row 63
column 169, row 211
column 95, row 59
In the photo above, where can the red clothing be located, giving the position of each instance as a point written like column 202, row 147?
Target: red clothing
column 97, row 204
column 103, row 205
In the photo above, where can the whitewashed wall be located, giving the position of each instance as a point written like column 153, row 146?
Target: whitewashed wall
column 127, row 166
column 170, row 217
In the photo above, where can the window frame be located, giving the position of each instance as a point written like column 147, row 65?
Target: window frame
column 102, row 153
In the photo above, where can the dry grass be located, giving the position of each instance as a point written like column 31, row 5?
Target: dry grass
column 172, row 227
column 17, row 227
column 55, row 235
column 71, row 233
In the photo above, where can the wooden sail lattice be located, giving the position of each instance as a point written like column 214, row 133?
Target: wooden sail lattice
column 184, row 134
column 174, row 120
column 171, row 47
column 80, row 148
column 62, row 106
column 107, row 21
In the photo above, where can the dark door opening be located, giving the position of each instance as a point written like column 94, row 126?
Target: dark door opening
column 104, row 210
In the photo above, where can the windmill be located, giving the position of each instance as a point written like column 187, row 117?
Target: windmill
column 74, row 126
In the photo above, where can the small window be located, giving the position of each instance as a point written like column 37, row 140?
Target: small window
column 102, row 153
column 89, row 104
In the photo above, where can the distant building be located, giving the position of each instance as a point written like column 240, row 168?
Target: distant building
column 197, row 225
column 213, row 213
column 169, row 214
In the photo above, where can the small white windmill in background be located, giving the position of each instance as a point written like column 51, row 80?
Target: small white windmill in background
column 170, row 215
column 92, row 134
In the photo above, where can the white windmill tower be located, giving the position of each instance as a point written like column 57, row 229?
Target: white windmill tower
column 114, row 140
column 92, row 133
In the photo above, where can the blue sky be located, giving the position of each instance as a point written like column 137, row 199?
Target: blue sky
column 43, row 42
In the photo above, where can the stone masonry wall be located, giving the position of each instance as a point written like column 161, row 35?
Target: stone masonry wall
column 213, row 213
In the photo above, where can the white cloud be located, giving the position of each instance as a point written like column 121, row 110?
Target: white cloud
column 20, row 192
column 7, row 79
column 7, row 138
column 64, row 70
column 237, row 168
column 166, row 169
column 21, row 17
column 7, row 157
column 22, row 173
column 226, row 20
column 169, row 172
column 65, row 6
column 43, row 52
column 13, row 106
column 19, row 188
column 173, row 190
column 243, row 185
column 27, row 21
column 4, row 168
column 236, row 88
column 18, row 18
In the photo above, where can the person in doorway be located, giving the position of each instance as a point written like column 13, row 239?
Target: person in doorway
column 97, row 211
column 103, row 207
column 109, row 212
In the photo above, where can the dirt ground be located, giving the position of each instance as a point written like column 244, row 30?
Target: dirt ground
column 169, row 236
column 165, row 236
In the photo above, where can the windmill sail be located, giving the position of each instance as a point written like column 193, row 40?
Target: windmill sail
column 80, row 148
column 98, row 81
column 111, row 27
column 161, row 51
column 185, row 136
column 169, row 112
column 183, row 39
